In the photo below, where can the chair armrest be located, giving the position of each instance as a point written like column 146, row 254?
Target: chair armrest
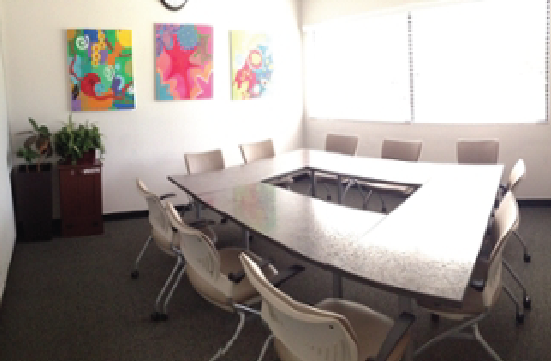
column 167, row 195
column 286, row 274
column 396, row 333
column 238, row 276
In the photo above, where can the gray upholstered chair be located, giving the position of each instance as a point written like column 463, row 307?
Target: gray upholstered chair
column 477, row 151
column 341, row 144
column 334, row 329
column 404, row 150
column 211, row 272
column 162, row 234
column 263, row 150
column 486, row 283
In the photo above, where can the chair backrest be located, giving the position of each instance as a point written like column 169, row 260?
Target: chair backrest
column 257, row 150
column 158, row 219
column 343, row 144
column 309, row 333
column 199, row 253
column 477, row 151
column 204, row 161
column 407, row 150
column 506, row 218
column 517, row 173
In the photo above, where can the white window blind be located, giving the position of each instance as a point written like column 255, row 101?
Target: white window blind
column 359, row 69
column 474, row 62
column 482, row 62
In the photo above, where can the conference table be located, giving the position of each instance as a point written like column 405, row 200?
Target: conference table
column 426, row 248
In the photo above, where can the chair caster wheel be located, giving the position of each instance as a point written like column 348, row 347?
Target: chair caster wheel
column 159, row 317
column 434, row 317
column 134, row 274
column 328, row 198
column 520, row 318
column 527, row 258
column 527, row 302
column 156, row 316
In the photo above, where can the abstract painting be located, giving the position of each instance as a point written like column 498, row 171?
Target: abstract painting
column 252, row 64
column 100, row 69
column 183, row 61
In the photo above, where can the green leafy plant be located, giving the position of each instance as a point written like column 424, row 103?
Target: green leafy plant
column 73, row 140
column 37, row 146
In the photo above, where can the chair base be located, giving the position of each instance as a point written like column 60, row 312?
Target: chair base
column 460, row 333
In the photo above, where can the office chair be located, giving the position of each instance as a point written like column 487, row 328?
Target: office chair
column 341, row 144
column 334, row 329
column 202, row 162
column 486, row 284
column 404, row 150
column 162, row 234
column 517, row 173
column 477, row 151
column 217, row 275
column 263, row 150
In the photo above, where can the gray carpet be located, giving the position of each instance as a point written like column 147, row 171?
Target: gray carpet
column 73, row 299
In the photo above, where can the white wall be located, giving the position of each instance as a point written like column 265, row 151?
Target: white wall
column 7, row 229
column 527, row 141
column 150, row 141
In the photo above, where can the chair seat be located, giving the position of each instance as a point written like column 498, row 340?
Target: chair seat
column 388, row 187
column 243, row 292
column 370, row 328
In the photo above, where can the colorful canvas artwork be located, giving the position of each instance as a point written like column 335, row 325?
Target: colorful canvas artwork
column 183, row 61
column 100, row 69
column 252, row 65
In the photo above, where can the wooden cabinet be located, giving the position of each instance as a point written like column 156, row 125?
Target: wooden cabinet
column 32, row 202
column 80, row 199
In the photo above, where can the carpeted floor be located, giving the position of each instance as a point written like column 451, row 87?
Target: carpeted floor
column 73, row 299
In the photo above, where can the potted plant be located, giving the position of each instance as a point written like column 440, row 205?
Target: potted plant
column 80, row 197
column 32, row 185
column 77, row 143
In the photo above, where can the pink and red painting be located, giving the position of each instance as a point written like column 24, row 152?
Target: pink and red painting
column 183, row 62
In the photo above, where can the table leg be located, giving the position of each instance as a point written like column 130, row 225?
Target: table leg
column 339, row 189
column 337, row 285
column 246, row 238
column 406, row 304
column 313, row 185
column 198, row 206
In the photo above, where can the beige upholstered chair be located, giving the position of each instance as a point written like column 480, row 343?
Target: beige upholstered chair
column 477, row 151
column 263, row 150
column 257, row 150
column 211, row 271
column 204, row 161
column 333, row 329
column 404, row 150
column 341, row 144
column 162, row 235
column 517, row 173
column 486, row 283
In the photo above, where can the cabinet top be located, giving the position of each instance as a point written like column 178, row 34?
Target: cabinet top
column 96, row 163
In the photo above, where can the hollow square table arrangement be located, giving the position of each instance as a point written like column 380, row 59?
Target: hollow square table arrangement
column 425, row 248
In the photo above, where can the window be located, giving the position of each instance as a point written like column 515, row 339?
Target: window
column 479, row 62
column 359, row 69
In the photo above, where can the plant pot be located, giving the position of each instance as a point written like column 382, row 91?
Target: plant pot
column 32, row 199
